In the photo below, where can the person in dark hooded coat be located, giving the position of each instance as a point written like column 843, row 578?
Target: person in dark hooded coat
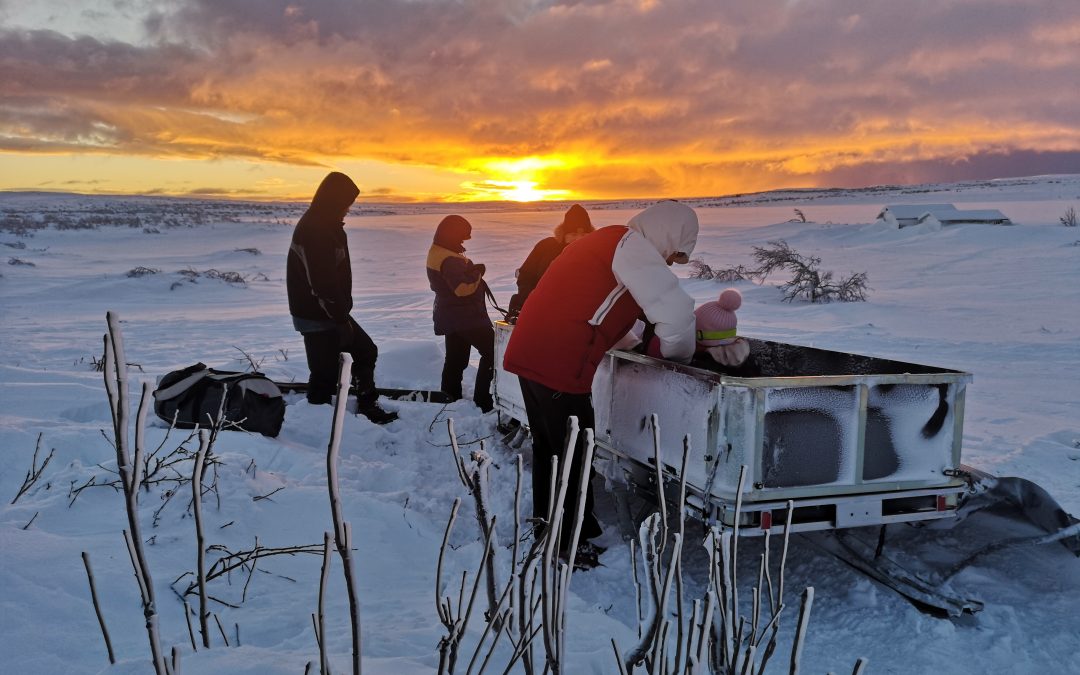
column 319, row 282
column 459, row 312
column 575, row 225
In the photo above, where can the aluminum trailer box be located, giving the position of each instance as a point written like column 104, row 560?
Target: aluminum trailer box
column 852, row 440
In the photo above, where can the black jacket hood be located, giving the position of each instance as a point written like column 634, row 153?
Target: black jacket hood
column 335, row 194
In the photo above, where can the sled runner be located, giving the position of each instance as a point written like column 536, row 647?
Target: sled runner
column 417, row 395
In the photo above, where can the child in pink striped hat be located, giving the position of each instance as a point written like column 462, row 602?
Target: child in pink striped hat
column 716, row 331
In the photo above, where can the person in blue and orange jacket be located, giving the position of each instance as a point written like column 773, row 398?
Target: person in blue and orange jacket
column 460, row 313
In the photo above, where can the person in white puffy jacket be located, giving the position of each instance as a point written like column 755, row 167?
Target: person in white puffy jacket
column 584, row 305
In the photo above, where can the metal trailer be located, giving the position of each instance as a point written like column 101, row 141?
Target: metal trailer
column 851, row 440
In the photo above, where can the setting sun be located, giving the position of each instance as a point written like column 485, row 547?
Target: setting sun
column 517, row 179
column 525, row 191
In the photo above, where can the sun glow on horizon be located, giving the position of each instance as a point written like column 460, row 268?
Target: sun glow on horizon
column 518, row 179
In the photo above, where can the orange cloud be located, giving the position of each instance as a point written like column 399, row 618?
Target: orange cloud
column 567, row 99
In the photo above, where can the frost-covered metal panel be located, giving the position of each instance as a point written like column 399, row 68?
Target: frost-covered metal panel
column 507, row 387
column 910, row 431
column 627, row 391
column 809, row 437
column 737, row 441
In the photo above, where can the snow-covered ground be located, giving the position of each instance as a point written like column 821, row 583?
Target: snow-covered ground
column 1002, row 303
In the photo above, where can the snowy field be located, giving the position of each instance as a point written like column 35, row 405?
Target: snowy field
column 1002, row 303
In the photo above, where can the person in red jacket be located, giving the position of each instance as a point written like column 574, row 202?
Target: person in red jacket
column 587, row 302
column 575, row 225
column 460, row 312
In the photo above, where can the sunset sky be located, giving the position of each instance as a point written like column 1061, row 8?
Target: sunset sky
column 529, row 99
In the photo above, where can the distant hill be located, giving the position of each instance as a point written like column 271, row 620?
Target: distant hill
column 65, row 210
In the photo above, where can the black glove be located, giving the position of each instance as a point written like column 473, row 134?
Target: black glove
column 479, row 269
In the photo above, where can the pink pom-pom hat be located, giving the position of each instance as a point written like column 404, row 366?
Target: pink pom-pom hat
column 716, row 320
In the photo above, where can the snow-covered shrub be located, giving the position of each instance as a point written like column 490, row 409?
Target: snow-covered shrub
column 252, row 251
column 699, row 269
column 19, row 262
column 141, row 271
column 711, row 634
column 227, row 277
column 1069, row 219
column 20, row 225
column 191, row 275
column 807, row 280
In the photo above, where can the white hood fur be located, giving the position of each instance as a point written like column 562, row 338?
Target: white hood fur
column 669, row 226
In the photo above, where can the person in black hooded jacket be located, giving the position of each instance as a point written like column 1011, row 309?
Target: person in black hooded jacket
column 459, row 312
column 318, row 278
column 575, row 225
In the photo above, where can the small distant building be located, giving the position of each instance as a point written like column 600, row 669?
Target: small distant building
column 903, row 215
column 937, row 219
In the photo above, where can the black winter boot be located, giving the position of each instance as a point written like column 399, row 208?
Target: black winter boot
column 376, row 414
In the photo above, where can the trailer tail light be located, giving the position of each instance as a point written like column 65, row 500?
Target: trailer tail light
column 942, row 503
column 766, row 520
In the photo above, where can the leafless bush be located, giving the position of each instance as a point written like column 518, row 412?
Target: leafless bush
column 20, row 225
column 157, row 468
column 475, row 480
column 19, row 262
column 716, row 637
column 699, row 269
column 807, row 280
column 191, row 275
column 800, row 217
column 342, row 529
column 141, row 271
column 19, row 245
column 128, row 456
column 1069, row 219
column 227, row 277
column 240, row 562
column 252, row 363
column 35, row 471
column 252, row 251
column 531, row 605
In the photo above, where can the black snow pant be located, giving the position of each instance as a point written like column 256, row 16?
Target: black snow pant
column 548, row 412
column 322, row 349
column 458, row 346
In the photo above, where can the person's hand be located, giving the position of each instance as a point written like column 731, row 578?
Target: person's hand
column 731, row 355
column 479, row 269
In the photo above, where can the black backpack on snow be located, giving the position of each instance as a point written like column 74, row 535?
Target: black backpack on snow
column 193, row 397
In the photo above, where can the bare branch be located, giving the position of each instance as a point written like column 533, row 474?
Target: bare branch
column 34, row 472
